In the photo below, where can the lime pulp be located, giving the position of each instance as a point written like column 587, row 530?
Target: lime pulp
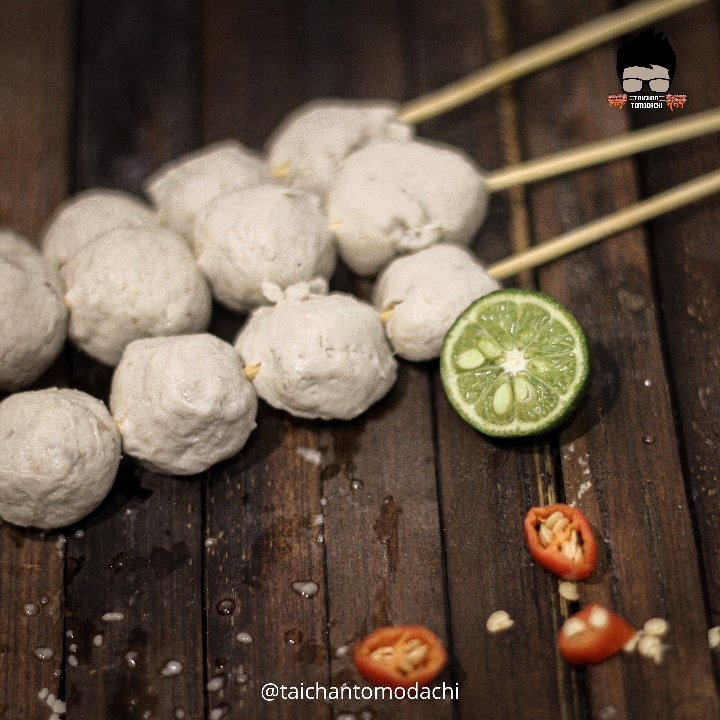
column 515, row 363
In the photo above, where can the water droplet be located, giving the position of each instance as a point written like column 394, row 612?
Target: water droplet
column 220, row 662
column 357, row 484
column 226, row 606
column 113, row 617
column 321, row 538
column 219, row 712
column 172, row 668
column 367, row 715
column 131, row 659
column 318, row 519
column 216, row 683
column 293, row 637
column 31, row 609
column 307, row 588
column 60, row 544
column 70, row 634
column 323, row 501
column 98, row 640
column 57, row 672
column 72, row 661
column 649, row 439
column 648, row 383
column 43, row 653
column 211, row 542
column 147, row 714
column 244, row 638
column 179, row 713
column 346, row 716
column 342, row 651
column 44, row 600
column 241, row 678
column 73, row 647
column 118, row 561
column 79, row 534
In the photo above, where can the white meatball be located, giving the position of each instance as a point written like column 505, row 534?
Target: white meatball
column 424, row 293
column 130, row 284
column 182, row 188
column 182, row 403
column 318, row 356
column 59, row 453
column 33, row 318
column 311, row 144
column 264, row 234
column 392, row 198
column 88, row 215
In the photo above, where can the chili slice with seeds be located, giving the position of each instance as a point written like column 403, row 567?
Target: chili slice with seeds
column 592, row 635
column 560, row 540
column 400, row 656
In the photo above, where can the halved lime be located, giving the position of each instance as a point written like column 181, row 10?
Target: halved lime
column 515, row 363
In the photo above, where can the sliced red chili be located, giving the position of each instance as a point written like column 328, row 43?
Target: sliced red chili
column 561, row 541
column 592, row 635
column 400, row 656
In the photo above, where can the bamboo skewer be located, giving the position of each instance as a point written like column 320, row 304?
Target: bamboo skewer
column 572, row 42
column 636, row 141
column 609, row 225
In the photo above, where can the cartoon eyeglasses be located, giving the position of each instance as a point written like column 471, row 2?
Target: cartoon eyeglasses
column 658, row 85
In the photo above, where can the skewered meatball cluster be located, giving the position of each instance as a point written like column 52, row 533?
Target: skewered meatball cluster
column 131, row 285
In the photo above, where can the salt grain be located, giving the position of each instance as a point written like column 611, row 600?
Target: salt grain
column 98, row 641
column 172, row 668
column 217, row 713
column 180, row 713
column 215, row 684
column 306, row 589
column 714, row 637
column 310, row 455
column 342, row 651
column 42, row 695
column 656, row 626
column 323, row 501
column 59, row 707
column 113, row 617
column 569, row 590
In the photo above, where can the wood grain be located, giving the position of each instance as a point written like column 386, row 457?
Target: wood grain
column 36, row 76
column 619, row 455
column 687, row 263
column 141, row 552
column 262, row 504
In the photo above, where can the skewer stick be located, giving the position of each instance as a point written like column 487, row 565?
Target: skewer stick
column 697, row 124
column 609, row 225
column 572, row 42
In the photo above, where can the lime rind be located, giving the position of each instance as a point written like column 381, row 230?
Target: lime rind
column 537, row 379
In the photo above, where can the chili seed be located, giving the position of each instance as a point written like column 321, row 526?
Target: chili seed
column 546, row 536
column 714, row 637
column 417, row 655
column 569, row 590
column 553, row 519
column 656, row 626
column 574, row 626
column 499, row 621
column 599, row 618
column 560, row 525
column 631, row 644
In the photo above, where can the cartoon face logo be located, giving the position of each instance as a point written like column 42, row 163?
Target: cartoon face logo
column 647, row 59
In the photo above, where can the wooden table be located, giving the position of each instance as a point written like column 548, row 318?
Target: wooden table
column 411, row 516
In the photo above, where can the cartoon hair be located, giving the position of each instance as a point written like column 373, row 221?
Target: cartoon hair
column 646, row 50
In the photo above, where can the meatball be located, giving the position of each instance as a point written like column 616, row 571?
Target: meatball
column 309, row 147
column 316, row 355
column 59, row 453
column 421, row 295
column 34, row 320
column 182, row 403
column 392, row 198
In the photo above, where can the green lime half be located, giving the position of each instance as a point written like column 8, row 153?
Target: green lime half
column 515, row 363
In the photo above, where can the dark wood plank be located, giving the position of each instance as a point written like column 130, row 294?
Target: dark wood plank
column 486, row 487
column 36, row 76
column 687, row 261
column 261, row 505
column 619, row 456
column 141, row 552
column 379, row 475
